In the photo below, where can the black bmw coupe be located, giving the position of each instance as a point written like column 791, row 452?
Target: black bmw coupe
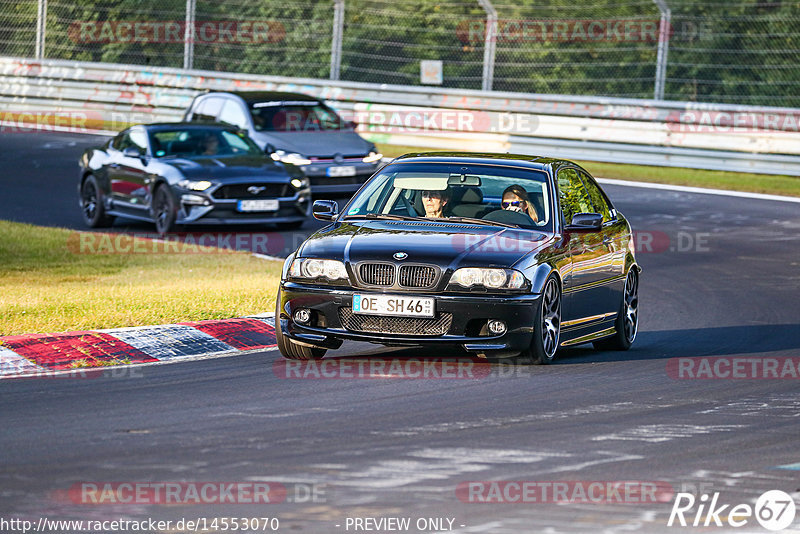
column 507, row 256
column 183, row 174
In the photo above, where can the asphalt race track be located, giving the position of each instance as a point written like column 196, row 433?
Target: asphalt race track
column 721, row 278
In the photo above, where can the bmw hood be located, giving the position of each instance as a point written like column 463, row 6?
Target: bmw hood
column 446, row 245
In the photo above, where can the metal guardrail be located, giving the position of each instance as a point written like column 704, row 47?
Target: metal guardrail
column 680, row 134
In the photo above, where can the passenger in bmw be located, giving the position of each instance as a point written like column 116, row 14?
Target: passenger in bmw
column 515, row 198
column 435, row 202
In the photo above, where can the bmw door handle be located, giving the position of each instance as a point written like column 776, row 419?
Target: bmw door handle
column 114, row 165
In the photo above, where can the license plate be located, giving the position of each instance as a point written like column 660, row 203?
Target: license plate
column 392, row 305
column 346, row 170
column 266, row 204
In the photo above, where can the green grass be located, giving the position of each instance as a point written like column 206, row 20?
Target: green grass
column 754, row 183
column 49, row 283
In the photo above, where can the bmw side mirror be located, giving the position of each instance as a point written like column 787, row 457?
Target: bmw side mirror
column 585, row 222
column 131, row 152
column 325, row 210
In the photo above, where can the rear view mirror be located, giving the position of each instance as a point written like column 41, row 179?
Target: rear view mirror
column 325, row 210
column 464, row 179
column 585, row 222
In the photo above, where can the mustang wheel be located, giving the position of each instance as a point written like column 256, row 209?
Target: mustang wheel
column 627, row 322
column 164, row 210
column 94, row 213
column 288, row 348
column 547, row 330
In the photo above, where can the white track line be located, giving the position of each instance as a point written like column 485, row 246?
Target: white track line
column 701, row 190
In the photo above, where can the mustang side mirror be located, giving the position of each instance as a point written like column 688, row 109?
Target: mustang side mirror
column 585, row 222
column 325, row 210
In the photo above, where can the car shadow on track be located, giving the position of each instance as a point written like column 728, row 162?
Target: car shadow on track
column 750, row 340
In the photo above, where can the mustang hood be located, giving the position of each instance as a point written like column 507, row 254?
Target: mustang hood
column 222, row 167
column 446, row 245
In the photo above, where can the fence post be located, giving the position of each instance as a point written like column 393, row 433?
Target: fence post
column 489, row 42
column 188, row 36
column 664, row 30
column 41, row 26
column 336, row 39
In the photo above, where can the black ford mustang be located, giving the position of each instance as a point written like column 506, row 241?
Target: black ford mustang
column 178, row 173
column 504, row 255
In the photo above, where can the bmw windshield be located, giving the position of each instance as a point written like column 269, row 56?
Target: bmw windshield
column 492, row 195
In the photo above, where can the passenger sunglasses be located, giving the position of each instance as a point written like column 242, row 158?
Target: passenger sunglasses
column 515, row 203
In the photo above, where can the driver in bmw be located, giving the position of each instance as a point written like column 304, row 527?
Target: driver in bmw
column 435, row 202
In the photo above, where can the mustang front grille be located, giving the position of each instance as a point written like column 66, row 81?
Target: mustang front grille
column 377, row 274
column 412, row 326
column 240, row 191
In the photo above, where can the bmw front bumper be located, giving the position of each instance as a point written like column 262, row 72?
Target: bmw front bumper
column 331, row 308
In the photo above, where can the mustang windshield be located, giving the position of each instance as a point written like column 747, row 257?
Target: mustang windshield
column 451, row 192
column 202, row 142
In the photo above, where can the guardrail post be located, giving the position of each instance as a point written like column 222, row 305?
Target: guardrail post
column 41, row 26
column 664, row 30
column 188, row 35
column 336, row 38
column 489, row 42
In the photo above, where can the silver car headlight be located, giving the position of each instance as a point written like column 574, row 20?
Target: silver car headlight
column 491, row 278
column 372, row 157
column 316, row 269
column 290, row 157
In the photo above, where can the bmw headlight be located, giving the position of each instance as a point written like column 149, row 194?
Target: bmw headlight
column 290, row 157
column 491, row 278
column 316, row 269
column 195, row 185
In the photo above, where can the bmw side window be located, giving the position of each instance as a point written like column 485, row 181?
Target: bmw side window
column 572, row 195
column 232, row 114
column 598, row 200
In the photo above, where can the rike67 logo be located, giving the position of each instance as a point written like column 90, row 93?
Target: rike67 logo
column 774, row 510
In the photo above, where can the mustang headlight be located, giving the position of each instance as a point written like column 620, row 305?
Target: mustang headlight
column 489, row 278
column 373, row 157
column 290, row 157
column 300, row 183
column 195, row 185
column 316, row 269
